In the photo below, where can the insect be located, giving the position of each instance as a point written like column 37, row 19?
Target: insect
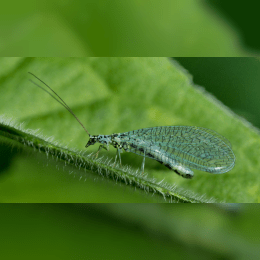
column 180, row 148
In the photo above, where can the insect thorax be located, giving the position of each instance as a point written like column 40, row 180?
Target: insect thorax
column 120, row 141
column 117, row 140
column 103, row 139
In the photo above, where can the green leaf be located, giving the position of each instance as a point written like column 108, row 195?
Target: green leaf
column 113, row 95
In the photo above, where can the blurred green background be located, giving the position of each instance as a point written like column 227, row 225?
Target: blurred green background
column 136, row 231
column 128, row 28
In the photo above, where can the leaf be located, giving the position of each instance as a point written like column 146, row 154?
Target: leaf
column 113, row 95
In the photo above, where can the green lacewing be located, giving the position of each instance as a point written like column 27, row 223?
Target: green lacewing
column 180, row 148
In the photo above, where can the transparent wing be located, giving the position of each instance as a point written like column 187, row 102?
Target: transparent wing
column 194, row 147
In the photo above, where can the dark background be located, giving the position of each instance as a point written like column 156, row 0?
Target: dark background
column 244, row 16
column 234, row 81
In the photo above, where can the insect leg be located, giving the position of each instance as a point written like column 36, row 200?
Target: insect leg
column 100, row 147
column 118, row 153
column 115, row 161
column 142, row 167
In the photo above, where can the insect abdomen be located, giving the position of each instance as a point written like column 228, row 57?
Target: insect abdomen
column 158, row 154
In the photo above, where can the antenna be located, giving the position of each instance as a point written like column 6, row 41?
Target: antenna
column 59, row 99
